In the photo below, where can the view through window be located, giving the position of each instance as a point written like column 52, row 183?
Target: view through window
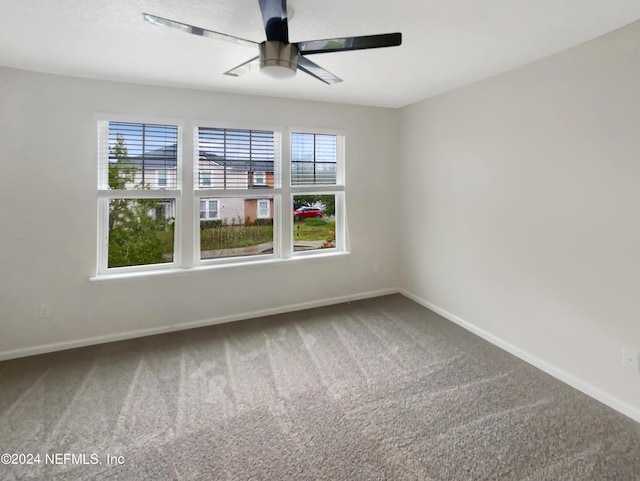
column 314, row 161
column 238, row 167
column 141, row 164
column 240, row 197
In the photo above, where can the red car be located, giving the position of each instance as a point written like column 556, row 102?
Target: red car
column 304, row 212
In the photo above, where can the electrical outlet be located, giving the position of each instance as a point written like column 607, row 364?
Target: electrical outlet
column 631, row 359
column 46, row 310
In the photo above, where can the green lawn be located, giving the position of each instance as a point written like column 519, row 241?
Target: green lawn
column 228, row 237
column 306, row 232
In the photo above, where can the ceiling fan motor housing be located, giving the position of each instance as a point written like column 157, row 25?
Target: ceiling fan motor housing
column 278, row 59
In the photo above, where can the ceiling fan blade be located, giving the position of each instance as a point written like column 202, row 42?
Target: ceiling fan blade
column 315, row 70
column 165, row 22
column 350, row 43
column 274, row 17
column 243, row 68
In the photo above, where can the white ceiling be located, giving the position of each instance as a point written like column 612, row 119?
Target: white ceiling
column 446, row 43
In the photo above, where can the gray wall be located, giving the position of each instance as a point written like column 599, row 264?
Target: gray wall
column 524, row 221
column 48, row 214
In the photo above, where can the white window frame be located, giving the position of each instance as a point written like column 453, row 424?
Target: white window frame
column 105, row 194
column 273, row 192
column 338, row 190
column 187, row 195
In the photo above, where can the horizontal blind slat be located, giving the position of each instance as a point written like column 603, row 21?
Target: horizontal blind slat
column 228, row 157
column 143, row 156
column 313, row 159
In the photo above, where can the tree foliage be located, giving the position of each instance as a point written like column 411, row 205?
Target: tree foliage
column 133, row 223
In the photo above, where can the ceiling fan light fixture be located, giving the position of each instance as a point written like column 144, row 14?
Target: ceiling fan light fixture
column 278, row 60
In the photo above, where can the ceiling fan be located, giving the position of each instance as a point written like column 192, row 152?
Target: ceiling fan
column 278, row 57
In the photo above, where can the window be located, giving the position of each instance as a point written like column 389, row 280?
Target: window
column 209, row 209
column 162, row 178
column 259, row 179
column 140, row 155
column 231, row 157
column 236, row 161
column 242, row 198
column 313, row 159
column 264, row 208
column 318, row 217
column 138, row 193
column 205, row 179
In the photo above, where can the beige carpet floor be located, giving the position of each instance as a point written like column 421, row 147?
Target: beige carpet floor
column 375, row 389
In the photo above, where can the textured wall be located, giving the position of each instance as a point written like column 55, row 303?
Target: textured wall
column 525, row 201
column 48, row 212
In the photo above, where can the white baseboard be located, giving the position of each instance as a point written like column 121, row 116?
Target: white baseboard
column 121, row 336
column 605, row 398
column 577, row 383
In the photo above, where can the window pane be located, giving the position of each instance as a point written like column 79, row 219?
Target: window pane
column 326, row 148
column 325, row 173
column 243, row 227
column 302, row 173
column 209, row 209
column 140, row 231
column 162, row 178
column 205, row 179
column 313, row 159
column 260, row 179
column 213, row 209
column 314, row 222
column 235, row 159
column 264, row 208
column 142, row 156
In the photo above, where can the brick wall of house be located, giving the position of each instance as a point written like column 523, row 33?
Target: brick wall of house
column 251, row 209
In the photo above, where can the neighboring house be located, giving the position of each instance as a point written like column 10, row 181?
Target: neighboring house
column 215, row 172
column 157, row 169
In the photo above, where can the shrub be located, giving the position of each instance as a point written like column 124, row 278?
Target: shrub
column 312, row 221
column 210, row 224
column 263, row 222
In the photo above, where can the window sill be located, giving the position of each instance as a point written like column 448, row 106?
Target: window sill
column 176, row 272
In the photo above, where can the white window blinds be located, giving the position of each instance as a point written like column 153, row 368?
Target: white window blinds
column 142, row 156
column 236, row 159
column 313, row 159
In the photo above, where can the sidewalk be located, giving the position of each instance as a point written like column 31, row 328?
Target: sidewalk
column 264, row 248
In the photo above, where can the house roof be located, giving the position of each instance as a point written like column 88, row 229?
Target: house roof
column 166, row 158
column 238, row 164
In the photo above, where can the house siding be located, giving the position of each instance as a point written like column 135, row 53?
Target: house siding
column 232, row 210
